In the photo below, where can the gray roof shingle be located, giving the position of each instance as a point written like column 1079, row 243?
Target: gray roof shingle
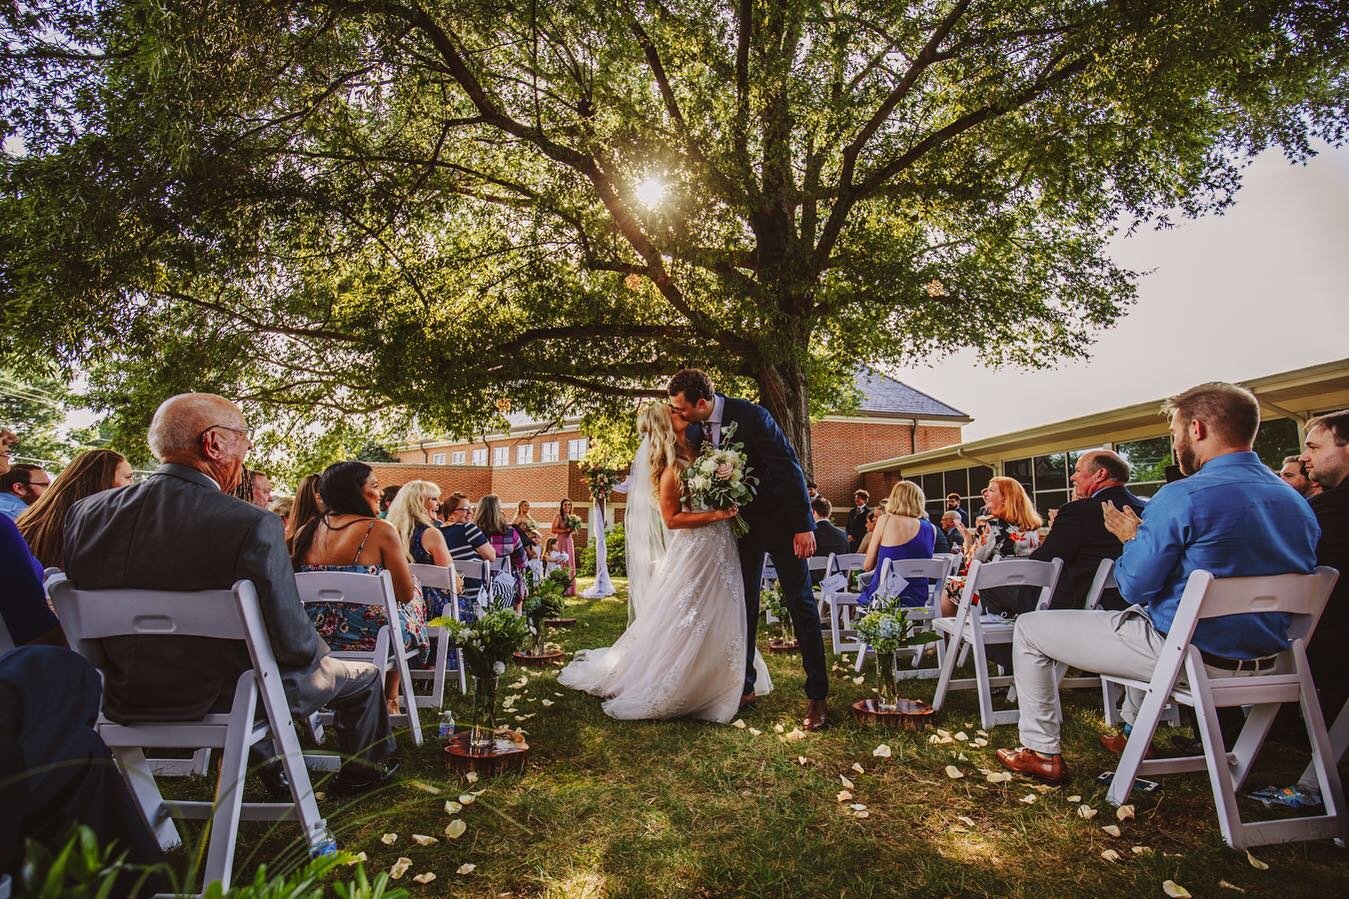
column 882, row 393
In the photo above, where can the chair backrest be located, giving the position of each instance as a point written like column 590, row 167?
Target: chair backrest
column 1014, row 573
column 820, row 563
column 1302, row 596
column 770, row 571
column 846, row 562
column 1104, row 580
column 346, row 586
column 437, row 577
column 475, row 569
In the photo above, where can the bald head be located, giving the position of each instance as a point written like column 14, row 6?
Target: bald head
column 1097, row 470
column 203, row 431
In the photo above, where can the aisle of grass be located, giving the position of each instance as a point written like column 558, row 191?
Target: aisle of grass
column 691, row 809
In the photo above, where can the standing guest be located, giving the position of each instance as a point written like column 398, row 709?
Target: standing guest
column 180, row 529
column 506, row 543
column 829, row 538
column 566, row 541
column 903, row 531
column 282, row 506
column 857, row 520
column 386, row 499
column 24, row 615
column 466, row 543
column 812, row 490
column 413, row 517
column 1327, row 461
column 1232, row 517
column 1011, row 531
column 308, row 506
column 953, row 505
column 350, row 536
column 20, row 487
column 44, row 524
column 1294, row 474
column 954, row 538
column 1080, row 537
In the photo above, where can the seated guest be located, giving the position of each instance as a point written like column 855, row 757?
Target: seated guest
column 20, row 487
column 1327, row 461
column 180, row 529
column 386, row 499
column 858, row 516
column 466, row 542
column 350, row 536
column 940, row 545
column 953, row 506
column 44, row 524
column 1080, row 538
column 260, row 492
column 566, row 540
column 1294, row 474
column 413, row 517
column 282, row 506
column 24, row 615
column 829, row 538
column 552, row 556
column 1232, row 517
column 903, row 531
column 506, row 543
column 870, row 525
column 954, row 539
column 308, row 506
column 1008, row 532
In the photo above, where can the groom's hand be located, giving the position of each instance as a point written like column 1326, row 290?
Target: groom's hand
column 804, row 544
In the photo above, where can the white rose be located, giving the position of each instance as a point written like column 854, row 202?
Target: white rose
column 498, row 667
column 736, row 477
column 709, row 464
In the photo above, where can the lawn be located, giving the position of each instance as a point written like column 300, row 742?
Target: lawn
column 692, row 809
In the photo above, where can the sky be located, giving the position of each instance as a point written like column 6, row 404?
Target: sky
column 1261, row 289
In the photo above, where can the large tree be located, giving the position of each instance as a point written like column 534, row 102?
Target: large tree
column 339, row 204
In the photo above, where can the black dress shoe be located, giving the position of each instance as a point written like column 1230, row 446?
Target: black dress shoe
column 274, row 780
column 355, row 779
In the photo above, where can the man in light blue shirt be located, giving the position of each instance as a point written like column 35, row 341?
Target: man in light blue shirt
column 20, row 487
column 1232, row 517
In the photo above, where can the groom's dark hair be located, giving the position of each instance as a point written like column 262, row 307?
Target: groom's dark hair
column 693, row 383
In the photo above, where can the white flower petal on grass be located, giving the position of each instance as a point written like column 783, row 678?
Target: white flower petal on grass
column 557, row 694
column 455, row 829
column 953, row 772
column 1141, row 850
column 1175, row 890
column 359, row 857
column 858, row 768
column 965, row 820
column 1110, row 855
column 1255, row 862
column 425, row 877
column 962, row 736
column 859, row 680
column 843, row 795
column 944, row 734
column 1086, row 811
column 998, row 777
column 982, row 733
column 400, row 867
column 1074, row 798
column 1112, row 829
column 858, row 807
column 1230, row 886
column 979, row 742
column 802, row 760
column 468, row 798
column 471, row 777
column 545, row 702
column 793, row 735
column 1029, row 798
column 467, row 868
column 452, row 807
column 961, row 758
column 320, row 796
column 1125, row 812
column 847, row 784
column 863, row 814
column 389, row 839
column 778, row 729
column 422, row 839
column 740, row 723
column 882, row 751
column 754, row 731
column 1044, row 788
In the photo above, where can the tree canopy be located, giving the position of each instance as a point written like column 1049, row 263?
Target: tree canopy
column 340, row 206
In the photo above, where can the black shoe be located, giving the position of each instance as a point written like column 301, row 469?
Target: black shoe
column 358, row 778
column 274, row 780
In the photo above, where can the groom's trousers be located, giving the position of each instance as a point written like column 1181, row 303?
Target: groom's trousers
column 794, row 579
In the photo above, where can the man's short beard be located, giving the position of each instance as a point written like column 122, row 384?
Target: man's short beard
column 1185, row 457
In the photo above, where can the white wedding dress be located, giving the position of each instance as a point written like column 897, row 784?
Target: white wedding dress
column 684, row 654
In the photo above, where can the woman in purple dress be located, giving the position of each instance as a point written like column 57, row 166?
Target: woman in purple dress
column 902, row 532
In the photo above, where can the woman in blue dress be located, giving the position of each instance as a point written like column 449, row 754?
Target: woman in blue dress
column 350, row 536
column 902, row 532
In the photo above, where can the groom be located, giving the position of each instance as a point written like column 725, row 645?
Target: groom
column 779, row 520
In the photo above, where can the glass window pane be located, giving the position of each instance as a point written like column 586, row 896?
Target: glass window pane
column 1147, row 458
column 980, row 475
column 1017, row 468
column 1049, row 499
column 1277, row 438
column 931, row 484
column 934, row 511
column 958, row 481
column 1050, row 472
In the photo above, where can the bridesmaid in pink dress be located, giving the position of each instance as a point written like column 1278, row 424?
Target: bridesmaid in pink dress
column 565, row 541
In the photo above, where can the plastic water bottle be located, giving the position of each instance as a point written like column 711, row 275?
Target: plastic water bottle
column 321, row 839
column 446, row 726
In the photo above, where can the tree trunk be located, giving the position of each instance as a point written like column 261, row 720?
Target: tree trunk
column 784, row 392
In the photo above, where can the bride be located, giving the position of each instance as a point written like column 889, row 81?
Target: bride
column 683, row 654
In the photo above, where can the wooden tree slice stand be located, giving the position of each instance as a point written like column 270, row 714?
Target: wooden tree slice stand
column 546, row 659
column 781, row 646
column 460, row 759
column 909, row 714
column 562, row 623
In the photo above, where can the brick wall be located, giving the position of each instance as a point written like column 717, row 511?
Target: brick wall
column 840, row 446
column 473, row 480
column 416, row 455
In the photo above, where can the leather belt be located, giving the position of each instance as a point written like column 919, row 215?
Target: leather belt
column 1263, row 663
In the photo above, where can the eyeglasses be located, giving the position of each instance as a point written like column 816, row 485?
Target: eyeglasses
column 245, row 430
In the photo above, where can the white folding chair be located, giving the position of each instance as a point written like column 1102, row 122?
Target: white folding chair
column 769, row 573
column 1339, row 746
column 369, row 590
column 439, row 577
column 1303, row 598
column 89, row 616
column 836, row 602
column 895, row 575
column 1112, row 694
column 971, row 626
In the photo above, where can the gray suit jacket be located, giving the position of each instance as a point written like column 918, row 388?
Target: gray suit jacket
column 177, row 531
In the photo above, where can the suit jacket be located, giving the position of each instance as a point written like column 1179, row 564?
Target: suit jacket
column 176, row 531
column 1080, row 539
column 829, row 538
column 1326, row 651
column 940, row 543
column 857, row 524
column 781, row 508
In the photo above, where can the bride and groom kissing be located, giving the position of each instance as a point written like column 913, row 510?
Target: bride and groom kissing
column 689, row 651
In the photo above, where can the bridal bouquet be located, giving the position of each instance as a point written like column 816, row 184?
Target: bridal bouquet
column 720, row 478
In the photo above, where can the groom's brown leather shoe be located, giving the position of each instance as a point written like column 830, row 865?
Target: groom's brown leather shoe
column 1030, row 763
column 747, row 702
column 817, row 715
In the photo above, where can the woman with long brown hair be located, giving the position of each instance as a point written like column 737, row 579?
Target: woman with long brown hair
column 308, row 506
column 566, row 539
column 43, row 524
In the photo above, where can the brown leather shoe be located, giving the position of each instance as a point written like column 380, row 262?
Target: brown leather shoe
column 747, row 702
column 1115, row 742
column 817, row 715
column 1030, row 763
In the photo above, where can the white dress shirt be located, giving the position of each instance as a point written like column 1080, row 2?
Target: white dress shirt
column 714, row 423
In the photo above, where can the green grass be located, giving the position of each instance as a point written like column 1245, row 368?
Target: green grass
column 690, row 809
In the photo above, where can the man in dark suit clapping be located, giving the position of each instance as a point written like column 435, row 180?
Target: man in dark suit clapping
column 1079, row 536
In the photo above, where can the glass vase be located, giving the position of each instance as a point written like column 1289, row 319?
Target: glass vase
column 887, row 685
column 482, row 736
column 540, row 632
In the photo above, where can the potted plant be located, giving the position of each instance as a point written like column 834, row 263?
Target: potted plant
column 887, row 630
column 771, row 599
column 545, row 601
column 487, row 644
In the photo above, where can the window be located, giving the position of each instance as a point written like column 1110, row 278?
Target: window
column 438, row 459
column 1277, row 438
column 480, row 457
column 501, row 455
column 524, row 454
column 457, row 458
column 549, row 452
column 1147, row 463
column 577, row 448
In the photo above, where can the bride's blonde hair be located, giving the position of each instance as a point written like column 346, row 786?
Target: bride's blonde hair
column 653, row 421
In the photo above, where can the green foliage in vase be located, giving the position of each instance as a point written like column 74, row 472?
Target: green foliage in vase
column 886, row 627
column 489, row 642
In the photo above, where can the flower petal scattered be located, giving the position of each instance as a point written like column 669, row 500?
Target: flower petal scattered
column 881, row 752
column 389, row 839
column 954, row 773
column 468, row 798
column 1175, row 890
column 1125, row 813
column 1255, row 862
column 998, row 777
column 456, row 828
column 843, row 795
column 400, row 867
column 740, row 723
column 1086, row 811
column 467, row 868
column 847, row 784
column 452, row 807
column 858, row 768
column 425, row 877
column 1110, row 855
column 1029, row 798
column 1112, row 829
column 422, row 839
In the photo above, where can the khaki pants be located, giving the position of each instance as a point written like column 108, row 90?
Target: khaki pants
column 1120, row 644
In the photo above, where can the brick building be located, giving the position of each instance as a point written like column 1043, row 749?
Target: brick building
column 540, row 461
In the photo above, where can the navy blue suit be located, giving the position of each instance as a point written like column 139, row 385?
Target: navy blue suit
column 780, row 510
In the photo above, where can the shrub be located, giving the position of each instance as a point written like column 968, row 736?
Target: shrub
column 614, row 551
